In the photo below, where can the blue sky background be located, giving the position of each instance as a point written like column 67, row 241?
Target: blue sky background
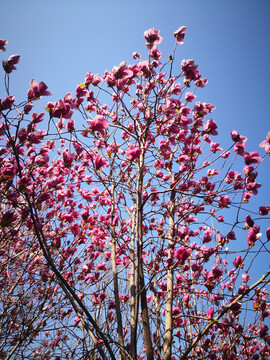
column 60, row 40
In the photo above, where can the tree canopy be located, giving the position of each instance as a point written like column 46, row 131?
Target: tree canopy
column 119, row 218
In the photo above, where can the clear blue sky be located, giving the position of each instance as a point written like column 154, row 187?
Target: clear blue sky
column 60, row 40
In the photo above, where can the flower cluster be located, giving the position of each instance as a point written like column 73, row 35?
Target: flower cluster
column 124, row 219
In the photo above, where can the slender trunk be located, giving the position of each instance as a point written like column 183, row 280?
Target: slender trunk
column 117, row 302
column 140, row 273
column 115, row 273
column 133, row 303
column 158, row 331
column 169, row 301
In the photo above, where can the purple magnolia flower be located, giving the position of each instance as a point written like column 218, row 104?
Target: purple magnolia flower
column 239, row 147
column 28, row 107
column 252, row 158
column 100, row 162
column 210, row 127
column 266, row 143
column 190, row 69
column 189, row 96
column 207, row 235
column 238, row 262
column 9, row 64
column 133, row 153
column 152, row 37
column 61, row 108
column 249, row 222
column 3, row 43
column 268, row 233
column 210, row 313
column 136, row 55
column 180, row 34
column 68, row 158
column 252, row 236
column 7, row 218
column 223, row 201
column 182, row 254
column 186, row 299
column 237, row 137
column 7, row 102
column 155, row 53
column 264, row 210
column 121, row 71
column 37, row 90
column 98, row 124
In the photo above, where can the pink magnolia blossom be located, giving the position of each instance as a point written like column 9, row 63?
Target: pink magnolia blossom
column 70, row 125
column 190, row 69
column 87, row 268
column 249, row 222
column 238, row 262
column 268, row 233
column 264, row 210
column 201, row 82
column 152, row 37
column 80, row 91
column 246, row 278
column 207, row 235
column 266, row 143
column 182, row 254
column 189, row 96
column 22, row 134
column 155, row 53
column 100, row 162
column 9, row 65
column 186, row 299
column 252, row 236
column 176, row 89
column 136, row 55
column 91, row 79
column 37, row 90
column 252, row 158
column 28, row 107
column 7, row 103
column 101, row 266
column 133, row 153
column 223, row 201
column 231, row 235
column 43, row 197
column 98, row 124
column 115, row 220
column 61, row 108
column 239, row 148
column 7, row 218
column 179, row 34
column 210, row 127
column 236, row 137
column 122, row 71
column 3, row 43
column 263, row 331
column 214, row 147
column 68, row 158
column 210, row 313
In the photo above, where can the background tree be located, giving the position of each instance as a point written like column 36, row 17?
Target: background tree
column 117, row 228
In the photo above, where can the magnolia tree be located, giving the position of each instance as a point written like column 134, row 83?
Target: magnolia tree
column 126, row 234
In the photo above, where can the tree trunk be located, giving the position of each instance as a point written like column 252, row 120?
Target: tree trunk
column 169, row 302
column 140, row 274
